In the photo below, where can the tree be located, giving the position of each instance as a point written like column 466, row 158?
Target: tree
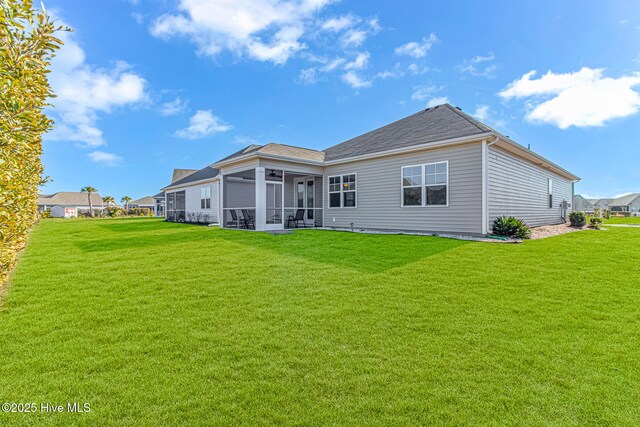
column 108, row 200
column 126, row 200
column 27, row 45
column 89, row 190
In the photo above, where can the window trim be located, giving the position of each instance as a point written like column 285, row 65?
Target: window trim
column 549, row 193
column 341, row 192
column 423, row 186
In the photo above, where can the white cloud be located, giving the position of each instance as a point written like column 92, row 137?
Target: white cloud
column 361, row 61
column 417, row 70
column 438, row 101
column 108, row 159
column 308, row 76
column 354, row 38
column 174, row 107
column 582, row 98
column 417, row 49
column 424, row 92
column 480, row 66
column 265, row 30
column 624, row 21
column 245, row 141
column 394, row 73
column 203, row 123
column 481, row 113
column 339, row 23
column 355, row 81
column 138, row 17
column 84, row 91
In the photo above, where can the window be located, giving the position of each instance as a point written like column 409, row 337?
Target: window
column 425, row 185
column 205, row 198
column 550, row 192
column 412, row 185
column 342, row 191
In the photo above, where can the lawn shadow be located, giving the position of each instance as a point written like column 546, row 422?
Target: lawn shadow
column 368, row 253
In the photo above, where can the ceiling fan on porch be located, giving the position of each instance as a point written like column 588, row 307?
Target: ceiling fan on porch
column 273, row 174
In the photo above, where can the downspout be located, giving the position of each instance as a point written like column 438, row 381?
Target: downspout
column 485, row 183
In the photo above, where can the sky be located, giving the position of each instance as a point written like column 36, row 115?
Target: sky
column 146, row 86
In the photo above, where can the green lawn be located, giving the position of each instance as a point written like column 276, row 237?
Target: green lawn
column 155, row 323
column 622, row 220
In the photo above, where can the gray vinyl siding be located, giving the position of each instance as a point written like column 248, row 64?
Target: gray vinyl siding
column 239, row 194
column 192, row 200
column 517, row 187
column 379, row 193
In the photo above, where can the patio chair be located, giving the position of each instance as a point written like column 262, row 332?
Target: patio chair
column 235, row 221
column 299, row 216
column 249, row 222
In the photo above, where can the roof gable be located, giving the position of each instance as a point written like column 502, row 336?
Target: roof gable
column 178, row 174
column 205, row 173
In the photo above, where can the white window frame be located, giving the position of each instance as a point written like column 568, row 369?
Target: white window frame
column 549, row 193
column 202, row 189
column 424, row 185
column 341, row 192
column 402, row 186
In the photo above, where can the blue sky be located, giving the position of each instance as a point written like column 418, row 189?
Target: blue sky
column 150, row 85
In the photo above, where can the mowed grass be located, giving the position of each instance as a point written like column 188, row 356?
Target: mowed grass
column 622, row 220
column 155, row 323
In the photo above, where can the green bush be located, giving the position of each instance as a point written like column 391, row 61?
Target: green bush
column 139, row 212
column 577, row 218
column 511, row 227
column 595, row 222
column 27, row 45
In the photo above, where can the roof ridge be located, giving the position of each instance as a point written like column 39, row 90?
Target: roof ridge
column 467, row 117
column 292, row 146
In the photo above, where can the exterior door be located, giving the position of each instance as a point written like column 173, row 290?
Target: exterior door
column 305, row 196
column 275, row 206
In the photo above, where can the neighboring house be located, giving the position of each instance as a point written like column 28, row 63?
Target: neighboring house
column 600, row 203
column 144, row 202
column 438, row 170
column 581, row 204
column 628, row 203
column 58, row 211
column 69, row 199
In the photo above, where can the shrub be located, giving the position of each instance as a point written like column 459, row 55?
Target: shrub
column 27, row 45
column 511, row 227
column 45, row 214
column 595, row 222
column 114, row 212
column 577, row 218
column 139, row 212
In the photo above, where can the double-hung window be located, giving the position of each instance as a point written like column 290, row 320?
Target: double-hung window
column 205, row 197
column 342, row 191
column 426, row 185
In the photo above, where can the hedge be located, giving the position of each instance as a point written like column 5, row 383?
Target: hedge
column 27, row 45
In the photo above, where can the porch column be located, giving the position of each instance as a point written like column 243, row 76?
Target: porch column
column 261, row 200
column 221, row 218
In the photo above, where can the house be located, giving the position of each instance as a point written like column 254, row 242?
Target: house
column 158, row 204
column 143, row 202
column 438, row 170
column 581, row 204
column 629, row 203
column 600, row 203
column 70, row 203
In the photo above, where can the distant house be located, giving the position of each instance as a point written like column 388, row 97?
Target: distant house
column 629, row 203
column 439, row 170
column 581, row 204
column 143, row 202
column 600, row 203
column 70, row 203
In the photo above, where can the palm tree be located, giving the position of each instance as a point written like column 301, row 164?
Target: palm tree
column 126, row 200
column 89, row 190
column 108, row 200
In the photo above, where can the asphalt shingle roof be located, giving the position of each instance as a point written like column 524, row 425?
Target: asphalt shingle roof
column 178, row 174
column 624, row 200
column 147, row 200
column 204, row 173
column 70, row 198
column 430, row 125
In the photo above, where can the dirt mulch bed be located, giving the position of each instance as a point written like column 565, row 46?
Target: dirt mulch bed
column 554, row 230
